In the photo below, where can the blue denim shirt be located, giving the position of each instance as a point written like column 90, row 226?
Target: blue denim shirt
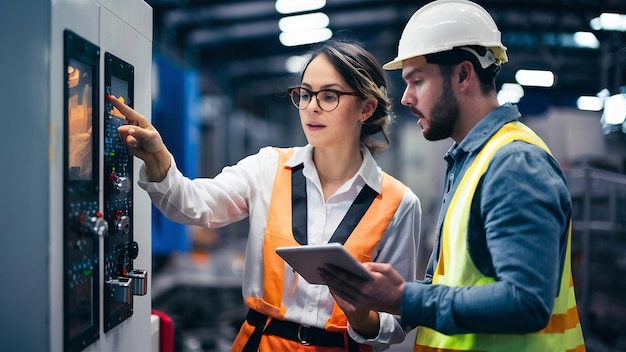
column 517, row 234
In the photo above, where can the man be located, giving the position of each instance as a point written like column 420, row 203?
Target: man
column 499, row 277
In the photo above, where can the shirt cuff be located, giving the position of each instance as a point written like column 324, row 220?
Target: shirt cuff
column 390, row 332
column 149, row 186
column 412, row 297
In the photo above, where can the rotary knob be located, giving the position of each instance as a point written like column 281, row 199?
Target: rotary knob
column 120, row 183
column 133, row 250
column 94, row 225
column 122, row 223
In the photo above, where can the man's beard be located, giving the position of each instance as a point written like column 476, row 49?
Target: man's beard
column 443, row 115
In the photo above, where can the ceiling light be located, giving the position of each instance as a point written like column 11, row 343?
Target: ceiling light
column 614, row 110
column 295, row 64
column 303, row 22
column 589, row 103
column 304, row 29
column 586, row 40
column 510, row 93
column 609, row 22
column 293, row 6
column 305, row 37
column 535, row 78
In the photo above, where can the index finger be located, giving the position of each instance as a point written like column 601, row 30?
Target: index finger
column 128, row 112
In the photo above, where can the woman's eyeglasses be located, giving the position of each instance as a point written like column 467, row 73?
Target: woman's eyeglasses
column 327, row 99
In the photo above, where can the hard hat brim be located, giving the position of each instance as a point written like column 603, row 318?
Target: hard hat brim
column 393, row 65
column 396, row 64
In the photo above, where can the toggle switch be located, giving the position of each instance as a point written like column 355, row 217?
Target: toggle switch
column 140, row 281
column 121, row 289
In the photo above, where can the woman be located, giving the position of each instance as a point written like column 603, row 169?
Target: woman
column 343, row 104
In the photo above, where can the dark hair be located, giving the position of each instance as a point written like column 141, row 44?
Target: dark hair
column 364, row 75
column 447, row 59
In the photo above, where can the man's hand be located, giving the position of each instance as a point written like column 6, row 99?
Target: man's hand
column 383, row 293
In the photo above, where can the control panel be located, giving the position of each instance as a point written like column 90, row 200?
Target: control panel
column 98, row 198
column 122, row 280
column 83, row 221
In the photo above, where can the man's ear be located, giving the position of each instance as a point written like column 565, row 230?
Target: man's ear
column 466, row 74
column 463, row 73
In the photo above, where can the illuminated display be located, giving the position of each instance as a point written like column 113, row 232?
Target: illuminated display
column 119, row 88
column 80, row 110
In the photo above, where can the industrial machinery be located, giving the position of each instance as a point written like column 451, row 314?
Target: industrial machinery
column 85, row 229
column 97, row 213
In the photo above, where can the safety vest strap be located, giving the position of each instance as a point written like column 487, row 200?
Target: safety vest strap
column 299, row 209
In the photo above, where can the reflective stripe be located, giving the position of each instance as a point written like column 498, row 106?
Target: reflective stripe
column 560, row 323
column 455, row 268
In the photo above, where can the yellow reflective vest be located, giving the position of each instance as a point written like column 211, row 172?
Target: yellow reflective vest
column 455, row 268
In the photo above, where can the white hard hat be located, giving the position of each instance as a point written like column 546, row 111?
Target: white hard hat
column 442, row 25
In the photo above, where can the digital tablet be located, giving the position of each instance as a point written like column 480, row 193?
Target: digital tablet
column 305, row 260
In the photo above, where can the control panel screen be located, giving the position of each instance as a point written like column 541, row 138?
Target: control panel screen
column 80, row 112
column 119, row 88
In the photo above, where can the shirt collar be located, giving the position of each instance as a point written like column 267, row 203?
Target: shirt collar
column 368, row 173
column 487, row 127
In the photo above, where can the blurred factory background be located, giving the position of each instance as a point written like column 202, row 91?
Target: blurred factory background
column 220, row 73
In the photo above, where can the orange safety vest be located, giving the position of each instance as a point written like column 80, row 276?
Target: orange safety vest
column 361, row 243
column 455, row 268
